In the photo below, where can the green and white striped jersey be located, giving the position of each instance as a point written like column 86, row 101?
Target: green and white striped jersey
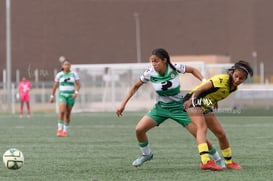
column 167, row 87
column 66, row 82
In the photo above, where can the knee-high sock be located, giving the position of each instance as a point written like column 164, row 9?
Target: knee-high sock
column 227, row 154
column 204, row 152
column 60, row 124
column 144, row 148
column 66, row 126
column 214, row 154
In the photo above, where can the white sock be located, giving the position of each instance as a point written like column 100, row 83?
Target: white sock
column 65, row 127
column 145, row 150
column 60, row 125
column 216, row 156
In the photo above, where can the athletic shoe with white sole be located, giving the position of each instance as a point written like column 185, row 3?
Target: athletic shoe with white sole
column 143, row 158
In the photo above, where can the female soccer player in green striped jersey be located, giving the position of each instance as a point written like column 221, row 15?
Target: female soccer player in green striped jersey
column 199, row 104
column 69, row 85
column 164, row 77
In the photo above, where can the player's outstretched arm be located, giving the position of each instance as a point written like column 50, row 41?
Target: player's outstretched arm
column 55, row 86
column 77, row 88
column 131, row 92
column 195, row 72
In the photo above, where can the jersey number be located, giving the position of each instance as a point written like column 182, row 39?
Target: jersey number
column 166, row 85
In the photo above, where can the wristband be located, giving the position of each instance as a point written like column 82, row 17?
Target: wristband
column 192, row 100
column 76, row 92
column 51, row 96
column 204, row 80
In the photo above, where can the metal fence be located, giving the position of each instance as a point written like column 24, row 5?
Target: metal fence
column 103, row 86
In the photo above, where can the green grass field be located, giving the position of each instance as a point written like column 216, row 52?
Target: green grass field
column 101, row 147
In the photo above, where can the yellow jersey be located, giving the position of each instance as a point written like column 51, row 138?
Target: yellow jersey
column 221, row 88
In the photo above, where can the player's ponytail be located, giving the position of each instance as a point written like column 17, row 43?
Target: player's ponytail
column 242, row 65
column 163, row 54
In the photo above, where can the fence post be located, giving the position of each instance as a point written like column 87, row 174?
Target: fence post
column 13, row 98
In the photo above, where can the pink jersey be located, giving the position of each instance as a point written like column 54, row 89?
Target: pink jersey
column 24, row 87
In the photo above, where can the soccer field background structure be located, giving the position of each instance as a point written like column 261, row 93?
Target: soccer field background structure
column 101, row 147
column 103, row 86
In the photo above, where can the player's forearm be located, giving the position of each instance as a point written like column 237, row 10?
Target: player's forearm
column 198, row 74
column 201, row 89
column 54, row 89
column 130, row 94
column 78, row 86
column 128, row 97
column 53, row 92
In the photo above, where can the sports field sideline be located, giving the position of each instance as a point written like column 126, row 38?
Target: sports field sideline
column 101, row 147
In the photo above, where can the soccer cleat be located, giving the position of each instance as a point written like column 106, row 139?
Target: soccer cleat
column 143, row 158
column 210, row 165
column 59, row 133
column 221, row 163
column 64, row 134
column 234, row 166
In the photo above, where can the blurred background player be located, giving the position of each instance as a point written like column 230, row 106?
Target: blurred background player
column 200, row 101
column 69, row 85
column 24, row 89
column 165, row 79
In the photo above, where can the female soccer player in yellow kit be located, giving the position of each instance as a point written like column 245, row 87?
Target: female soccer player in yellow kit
column 200, row 101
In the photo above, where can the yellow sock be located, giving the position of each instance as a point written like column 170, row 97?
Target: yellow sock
column 227, row 155
column 204, row 152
